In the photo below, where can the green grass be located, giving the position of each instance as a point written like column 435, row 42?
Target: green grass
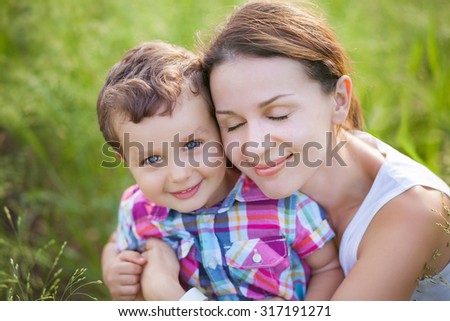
column 54, row 56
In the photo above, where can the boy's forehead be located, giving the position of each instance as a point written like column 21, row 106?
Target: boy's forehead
column 190, row 118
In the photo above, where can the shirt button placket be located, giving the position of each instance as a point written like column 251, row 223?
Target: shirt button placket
column 212, row 263
column 212, row 256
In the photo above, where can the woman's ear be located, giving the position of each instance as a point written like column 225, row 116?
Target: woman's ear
column 342, row 98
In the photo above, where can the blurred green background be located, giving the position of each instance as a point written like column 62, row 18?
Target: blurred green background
column 54, row 57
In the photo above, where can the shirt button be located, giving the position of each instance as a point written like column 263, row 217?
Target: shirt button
column 257, row 257
column 212, row 264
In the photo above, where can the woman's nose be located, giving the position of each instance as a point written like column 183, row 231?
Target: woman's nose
column 257, row 143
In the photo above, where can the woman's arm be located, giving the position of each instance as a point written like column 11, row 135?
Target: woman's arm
column 159, row 279
column 399, row 242
column 326, row 273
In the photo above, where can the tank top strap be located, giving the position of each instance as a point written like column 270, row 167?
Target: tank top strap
column 397, row 174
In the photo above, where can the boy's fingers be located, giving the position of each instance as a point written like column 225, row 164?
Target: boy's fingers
column 129, row 279
column 133, row 257
column 126, row 293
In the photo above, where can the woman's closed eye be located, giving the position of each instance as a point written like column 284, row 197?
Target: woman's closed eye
column 230, row 128
column 234, row 127
column 278, row 118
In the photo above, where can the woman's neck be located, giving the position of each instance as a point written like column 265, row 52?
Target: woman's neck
column 341, row 188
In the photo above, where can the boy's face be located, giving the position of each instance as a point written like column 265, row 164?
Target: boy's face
column 177, row 160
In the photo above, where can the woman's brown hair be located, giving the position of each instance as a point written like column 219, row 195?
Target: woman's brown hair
column 268, row 29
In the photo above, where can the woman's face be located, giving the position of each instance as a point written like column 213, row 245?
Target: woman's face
column 275, row 121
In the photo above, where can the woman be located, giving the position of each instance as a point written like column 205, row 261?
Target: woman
column 282, row 93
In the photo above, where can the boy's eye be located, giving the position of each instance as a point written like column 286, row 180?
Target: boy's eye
column 192, row 144
column 154, row 159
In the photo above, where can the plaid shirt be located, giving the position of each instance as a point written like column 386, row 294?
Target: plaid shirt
column 246, row 247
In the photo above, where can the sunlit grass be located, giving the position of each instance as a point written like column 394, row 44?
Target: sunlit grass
column 35, row 272
column 430, row 271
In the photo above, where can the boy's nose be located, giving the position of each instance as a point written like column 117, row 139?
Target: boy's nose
column 179, row 172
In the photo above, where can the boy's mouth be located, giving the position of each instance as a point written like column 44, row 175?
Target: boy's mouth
column 187, row 193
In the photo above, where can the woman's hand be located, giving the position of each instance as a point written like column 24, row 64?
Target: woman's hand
column 159, row 280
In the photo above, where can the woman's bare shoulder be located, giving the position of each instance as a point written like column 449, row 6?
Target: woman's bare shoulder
column 415, row 222
column 417, row 204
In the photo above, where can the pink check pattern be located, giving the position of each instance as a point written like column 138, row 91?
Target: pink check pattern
column 246, row 247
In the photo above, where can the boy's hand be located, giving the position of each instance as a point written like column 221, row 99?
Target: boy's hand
column 123, row 275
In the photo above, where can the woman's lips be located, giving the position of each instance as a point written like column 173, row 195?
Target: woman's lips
column 187, row 193
column 276, row 166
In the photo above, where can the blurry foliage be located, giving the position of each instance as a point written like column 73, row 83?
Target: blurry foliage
column 54, row 56
column 399, row 53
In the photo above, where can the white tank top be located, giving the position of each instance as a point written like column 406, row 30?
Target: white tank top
column 397, row 174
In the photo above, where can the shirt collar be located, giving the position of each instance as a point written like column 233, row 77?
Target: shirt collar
column 245, row 190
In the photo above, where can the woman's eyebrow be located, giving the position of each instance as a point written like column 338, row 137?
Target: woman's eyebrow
column 260, row 105
column 271, row 100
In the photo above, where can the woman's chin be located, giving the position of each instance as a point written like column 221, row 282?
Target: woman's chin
column 277, row 192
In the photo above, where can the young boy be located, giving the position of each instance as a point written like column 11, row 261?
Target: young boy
column 232, row 242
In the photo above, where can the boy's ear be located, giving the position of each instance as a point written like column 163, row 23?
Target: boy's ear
column 342, row 98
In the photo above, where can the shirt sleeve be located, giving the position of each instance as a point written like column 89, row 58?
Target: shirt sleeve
column 312, row 228
column 138, row 220
column 127, row 239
